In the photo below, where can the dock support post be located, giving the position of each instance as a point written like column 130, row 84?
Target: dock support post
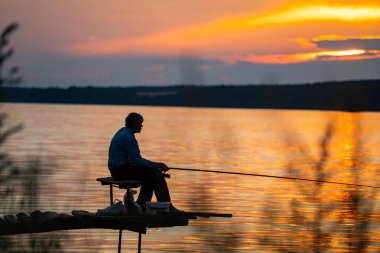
column 139, row 246
column 111, row 195
column 119, row 246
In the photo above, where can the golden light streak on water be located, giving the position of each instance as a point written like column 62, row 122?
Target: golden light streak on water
column 270, row 215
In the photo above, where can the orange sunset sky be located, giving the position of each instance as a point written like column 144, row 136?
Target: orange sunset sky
column 163, row 42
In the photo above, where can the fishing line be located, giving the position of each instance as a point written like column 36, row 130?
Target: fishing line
column 280, row 177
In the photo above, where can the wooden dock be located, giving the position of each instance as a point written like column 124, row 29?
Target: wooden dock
column 38, row 222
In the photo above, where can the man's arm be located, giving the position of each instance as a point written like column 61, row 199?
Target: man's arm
column 137, row 159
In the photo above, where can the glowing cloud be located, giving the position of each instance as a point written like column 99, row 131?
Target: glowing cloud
column 321, row 13
column 205, row 38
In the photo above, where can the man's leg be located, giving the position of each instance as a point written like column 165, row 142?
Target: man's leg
column 146, row 193
column 153, row 181
column 159, row 184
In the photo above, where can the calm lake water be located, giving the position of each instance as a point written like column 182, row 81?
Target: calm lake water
column 269, row 215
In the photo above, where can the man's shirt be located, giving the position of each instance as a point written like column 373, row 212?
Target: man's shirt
column 124, row 150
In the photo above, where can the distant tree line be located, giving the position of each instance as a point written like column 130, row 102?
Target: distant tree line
column 361, row 95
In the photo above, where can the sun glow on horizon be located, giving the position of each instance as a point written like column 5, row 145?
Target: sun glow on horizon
column 352, row 54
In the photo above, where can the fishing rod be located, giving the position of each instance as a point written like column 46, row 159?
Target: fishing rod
column 280, row 177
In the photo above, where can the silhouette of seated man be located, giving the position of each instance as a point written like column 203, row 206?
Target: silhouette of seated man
column 126, row 162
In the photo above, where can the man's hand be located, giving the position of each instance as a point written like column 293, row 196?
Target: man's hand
column 163, row 167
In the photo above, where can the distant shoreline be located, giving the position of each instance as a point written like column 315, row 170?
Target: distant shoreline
column 352, row 96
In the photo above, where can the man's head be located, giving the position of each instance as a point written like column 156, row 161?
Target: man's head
column 134, row 122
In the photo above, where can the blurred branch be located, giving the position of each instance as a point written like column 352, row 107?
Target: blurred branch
column 7, row 32
column 19, row 185
column 12, row 76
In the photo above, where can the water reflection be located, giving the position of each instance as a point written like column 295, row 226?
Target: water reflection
column 279, row 212
column 326, row 218
column 221, row 236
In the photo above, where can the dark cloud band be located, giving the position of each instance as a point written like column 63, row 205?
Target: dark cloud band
column 366, row 44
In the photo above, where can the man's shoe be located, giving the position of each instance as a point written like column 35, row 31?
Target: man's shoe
column 173, row 209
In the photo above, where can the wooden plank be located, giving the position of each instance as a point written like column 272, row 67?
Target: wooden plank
column 69, row 222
